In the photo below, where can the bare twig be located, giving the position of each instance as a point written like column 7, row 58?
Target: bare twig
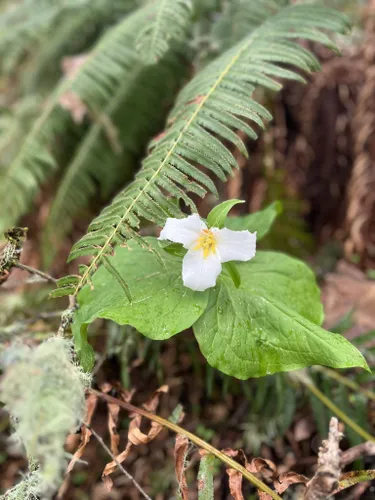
column 326, row 478
column 32, row 280
column 361, row 450
column 31, row 270
column 124, row 471
column 194, row 439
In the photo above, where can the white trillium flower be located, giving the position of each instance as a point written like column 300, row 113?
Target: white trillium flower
column 207, row 249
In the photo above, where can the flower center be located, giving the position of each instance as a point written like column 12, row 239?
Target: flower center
column 207, row 242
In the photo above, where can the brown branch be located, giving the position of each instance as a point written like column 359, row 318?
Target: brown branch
column 124, row 471
column 194, row 439
column 361, row 450
column 326, row 478
column 33, row 271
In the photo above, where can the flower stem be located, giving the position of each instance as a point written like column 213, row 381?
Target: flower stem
column 345, row 381
column 309, row 384
column 233, row 273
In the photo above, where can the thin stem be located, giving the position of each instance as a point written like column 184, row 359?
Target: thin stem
column 358, row 451
column 31, row 270
column 124, row 471
column 194, row 439
column 307, row 382
column 350, row 478
column 345, row 381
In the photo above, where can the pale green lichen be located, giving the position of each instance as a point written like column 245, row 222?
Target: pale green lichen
column 44, row 391
column 28, row 488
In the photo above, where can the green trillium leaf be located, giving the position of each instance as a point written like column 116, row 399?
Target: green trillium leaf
column 287, row 279
column 270, row 323
column 261, row 221
column 173, row 248
column 218, row 215
column 161, row 306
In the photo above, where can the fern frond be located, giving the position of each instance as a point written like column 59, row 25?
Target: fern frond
column 22, row 25
column 208, row 111
column 108, row 153
column 94, row 83
column 14, row 125
column 240, row 17
column 168, row 23
column 76, row 30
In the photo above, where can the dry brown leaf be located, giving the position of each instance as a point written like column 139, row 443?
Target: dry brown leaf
column 111, row 466
column 256, row 466
column 263, row 495
column 230, row 452
column 262, row 466
column 126, row 395
column 152, row 404
column 348, row 290
column 267, row 469
column 180, row 452
column 283, row 482
column 235, row 484
column 135, row 435
column 113, row 413
column 91, row 403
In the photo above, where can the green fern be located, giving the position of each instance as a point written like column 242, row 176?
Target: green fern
column 215, row 104
column 94, row 82
column 14, row 126
column 23, row 25
column 240, row 17
column 76, row 30
column 108, row 153
column 169, row 21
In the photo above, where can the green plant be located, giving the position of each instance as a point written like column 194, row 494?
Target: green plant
column 266, row 307
column 140, row 69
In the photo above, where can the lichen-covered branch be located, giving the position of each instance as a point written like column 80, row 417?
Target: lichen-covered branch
column 326, row 478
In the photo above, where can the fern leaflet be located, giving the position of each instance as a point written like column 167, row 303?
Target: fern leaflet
column 168, row 23
column 240, row 17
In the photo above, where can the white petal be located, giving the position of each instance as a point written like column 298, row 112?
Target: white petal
column 185, row 231
column 235, row 245
column 199, row 273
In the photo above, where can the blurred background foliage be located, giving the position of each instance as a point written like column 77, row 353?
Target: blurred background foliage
column 317, row 156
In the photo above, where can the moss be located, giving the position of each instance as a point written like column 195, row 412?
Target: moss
column 44, row 391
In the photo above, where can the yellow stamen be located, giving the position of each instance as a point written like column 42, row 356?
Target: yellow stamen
column 207, row 242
